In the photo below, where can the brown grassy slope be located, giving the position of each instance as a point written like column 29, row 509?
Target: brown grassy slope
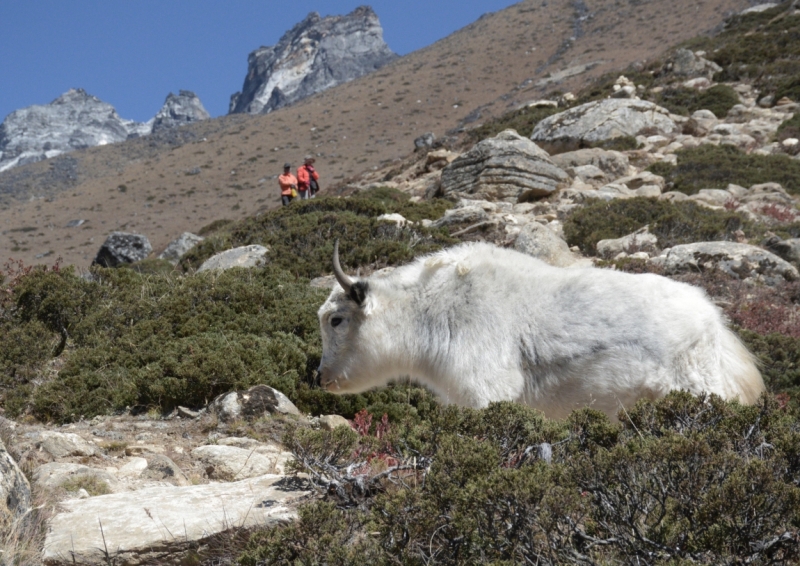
column 225, row 167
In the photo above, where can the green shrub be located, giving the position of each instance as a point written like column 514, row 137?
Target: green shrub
column 301, row 236
column 790, row 128
column 719, row 99
column 682, row 480
column 672, row 222
column 714, row 167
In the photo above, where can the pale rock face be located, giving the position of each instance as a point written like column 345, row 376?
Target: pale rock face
column 155, row 525
column 316, row 54
column 641, row 241
column 600, row 121
column 612, row 163
column 178, row 247
column 540, row 242
column 253, row 403
column 229, row 463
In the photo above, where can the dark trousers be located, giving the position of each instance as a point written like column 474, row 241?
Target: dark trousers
column 286, row 199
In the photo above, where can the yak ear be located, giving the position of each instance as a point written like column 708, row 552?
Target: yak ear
column 358, row 292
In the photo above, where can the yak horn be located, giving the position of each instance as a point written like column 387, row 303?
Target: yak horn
column 343, row 279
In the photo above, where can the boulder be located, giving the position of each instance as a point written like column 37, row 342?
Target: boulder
column 640, row 241
column 176, row 249
column 330, row 422
column 157, row 524
column 741, row 261
column 613, row 163
column 788, row 249
column 230, row 463
column 245, row 256
column 462, row 214
column 162, row 468
column 687, row 63
column 425, row 141
column 601, row 121
column 122, row 247
column 15, row 492
column 252, row 404
column 55, row 474
column 507, row 167
column 540, row 242
column 64, row 444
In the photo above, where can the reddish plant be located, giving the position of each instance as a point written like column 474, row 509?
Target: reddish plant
column 778, row 212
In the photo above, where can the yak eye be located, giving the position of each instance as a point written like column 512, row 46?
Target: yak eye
column 336, row 321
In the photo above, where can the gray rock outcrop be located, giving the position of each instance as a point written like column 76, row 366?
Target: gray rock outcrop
column 601, row 121
column 122, row 247
column 788, row 249
column 640, row 241
column 178, row 247
column 244, row 256
column 690, row 64
column 253, row 403
column 15, row 492
column 231, row 463
column 155, row 525
column 507, row 167
column 178, row 110
column 741, row 261
column 613, row 164
column 316, row 54
column 72, row 121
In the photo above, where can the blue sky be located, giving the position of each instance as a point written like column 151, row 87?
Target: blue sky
column 132, row 53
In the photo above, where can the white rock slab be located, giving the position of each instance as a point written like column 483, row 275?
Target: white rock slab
column 151, row 524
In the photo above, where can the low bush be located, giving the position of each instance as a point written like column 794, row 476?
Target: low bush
column 719, row 99
column 301, row 236
column 672, row 222
column 790, row 128
column 715, row 167
column 680, row 480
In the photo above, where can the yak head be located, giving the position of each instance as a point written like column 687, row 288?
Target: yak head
column 350, row 356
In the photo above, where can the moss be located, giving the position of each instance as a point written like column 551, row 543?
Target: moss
column 790, row 128
column 709, row 166
column 672, row 222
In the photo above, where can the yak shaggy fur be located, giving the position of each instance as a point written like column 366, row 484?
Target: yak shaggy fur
column 477, row 323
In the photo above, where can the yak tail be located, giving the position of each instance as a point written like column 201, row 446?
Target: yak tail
column 740, row 368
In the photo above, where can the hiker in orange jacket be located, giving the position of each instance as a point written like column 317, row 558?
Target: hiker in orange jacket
column 288, row 184
column 307, row 177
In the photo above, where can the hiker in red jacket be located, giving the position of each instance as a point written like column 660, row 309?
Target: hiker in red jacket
column 288, row 184
column 307, row 177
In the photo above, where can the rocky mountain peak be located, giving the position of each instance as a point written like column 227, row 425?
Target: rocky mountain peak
column 316, row 54
column 179, row 109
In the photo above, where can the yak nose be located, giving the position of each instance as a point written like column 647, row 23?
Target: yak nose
column 325, row 377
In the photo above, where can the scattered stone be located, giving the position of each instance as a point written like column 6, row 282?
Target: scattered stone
column 788, row 249
column 253, row 403
column 188, row 413
column 685, row 62
column 507, row 167
column 176, row 249
column 76, row 223
column 157, row 524
column 640, row 241
column 15, row 492
column 600, row 121
column 741, row 261
column 133, row 468
column 613, row 163
column 122, row 247
column 244, row 256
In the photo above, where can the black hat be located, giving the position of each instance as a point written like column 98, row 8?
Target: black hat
column 287, row 165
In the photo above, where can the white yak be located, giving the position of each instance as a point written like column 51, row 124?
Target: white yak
column 477, row 323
